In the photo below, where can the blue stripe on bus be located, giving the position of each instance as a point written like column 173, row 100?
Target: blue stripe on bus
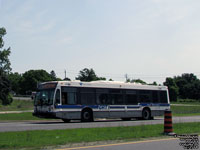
column 154, row 104
column 133, row 106
column 76, row 106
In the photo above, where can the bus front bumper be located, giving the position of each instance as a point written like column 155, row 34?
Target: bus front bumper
column 45, row 115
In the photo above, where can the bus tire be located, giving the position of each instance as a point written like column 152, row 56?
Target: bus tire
column 66, row 120
column 86, row 115
column 146, row 114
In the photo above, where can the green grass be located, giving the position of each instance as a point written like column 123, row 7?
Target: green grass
column 41, row 139
column 18, row 117
column 185, row 110
column 18, row 105
column 187, row 101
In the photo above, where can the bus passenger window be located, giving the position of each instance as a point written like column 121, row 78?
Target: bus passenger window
column 68, row 98
column 64, row 98
column 71, row 99
column 102, row 99
column 144, row 96
column 163, row 97
column 155, row 97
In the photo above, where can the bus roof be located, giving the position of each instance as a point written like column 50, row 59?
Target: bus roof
column 107, row 84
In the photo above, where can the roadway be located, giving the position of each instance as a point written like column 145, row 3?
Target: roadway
column 59, row 124
column 155, row 144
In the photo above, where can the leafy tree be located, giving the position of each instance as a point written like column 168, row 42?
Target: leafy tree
column 31, row 78
column 4, row 54
column 138, row 81
column 15, row 80
column 53, row 74
column 67, row 79
column 154, row 83
column 172, row 88
column 88, row 75
column 5, row 68
column 5, row 89
column 189, row 86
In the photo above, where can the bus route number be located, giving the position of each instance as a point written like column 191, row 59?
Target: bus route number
column 102, row 107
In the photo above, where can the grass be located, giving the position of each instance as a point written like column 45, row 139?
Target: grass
column 187, row 101
column 18, row 105
column 42, row 139
column 185, row 110
column 18, row 116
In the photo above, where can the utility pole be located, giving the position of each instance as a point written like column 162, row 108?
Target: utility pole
column 65, row 74
column 126, row 76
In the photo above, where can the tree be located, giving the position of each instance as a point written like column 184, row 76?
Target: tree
column 172, row 88
column 88, row 75
column 5, row 87
column 15, row 80
column 4, row 54
column 189, row 86
column 138, row 81
column 154, row 83
column 67, row 79
column 32, row 78
column 53, row 74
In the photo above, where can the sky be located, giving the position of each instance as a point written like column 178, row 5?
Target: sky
column 146, row 39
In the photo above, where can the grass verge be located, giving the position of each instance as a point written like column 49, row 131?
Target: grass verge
column 187, row 101
column 18, row 105
column 18, row 117
column 185, row 110
column 42, row 139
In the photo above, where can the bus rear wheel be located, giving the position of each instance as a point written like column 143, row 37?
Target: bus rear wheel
column 86, row 116
column 146, row 114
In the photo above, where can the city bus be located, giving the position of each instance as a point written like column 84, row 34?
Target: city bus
column 77, row 100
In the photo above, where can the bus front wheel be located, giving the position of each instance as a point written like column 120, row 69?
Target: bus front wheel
column 86, row 116
column 146, row 114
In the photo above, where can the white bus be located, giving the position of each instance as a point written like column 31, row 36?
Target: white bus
column 76, row 100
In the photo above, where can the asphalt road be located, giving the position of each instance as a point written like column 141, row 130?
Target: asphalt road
column 58, row 124
column 156, row 144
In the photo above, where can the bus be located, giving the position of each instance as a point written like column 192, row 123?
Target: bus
column 77, row 100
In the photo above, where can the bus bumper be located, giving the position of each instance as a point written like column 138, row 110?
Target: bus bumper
column 45, row 115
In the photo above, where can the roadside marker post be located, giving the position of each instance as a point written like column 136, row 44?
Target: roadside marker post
column 168, row 126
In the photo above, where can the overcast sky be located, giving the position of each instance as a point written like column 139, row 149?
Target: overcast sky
column 146, row 39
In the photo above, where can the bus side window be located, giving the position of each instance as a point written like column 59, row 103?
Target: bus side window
column 64, row 98
column 163, row 97
column 57, row 97
column 155, row 97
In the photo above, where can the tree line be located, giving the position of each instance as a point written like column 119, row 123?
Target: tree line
column 186, row 86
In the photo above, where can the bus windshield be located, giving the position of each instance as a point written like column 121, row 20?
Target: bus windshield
column 44, row 97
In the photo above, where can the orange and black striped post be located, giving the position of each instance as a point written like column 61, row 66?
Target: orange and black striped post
column 168, row 128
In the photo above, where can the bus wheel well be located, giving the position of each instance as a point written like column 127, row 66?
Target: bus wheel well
column 146, row 113
column 87, row 115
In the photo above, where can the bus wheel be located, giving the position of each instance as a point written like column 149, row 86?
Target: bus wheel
column 146, row 114
column 86, row 116
column 66, row 120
